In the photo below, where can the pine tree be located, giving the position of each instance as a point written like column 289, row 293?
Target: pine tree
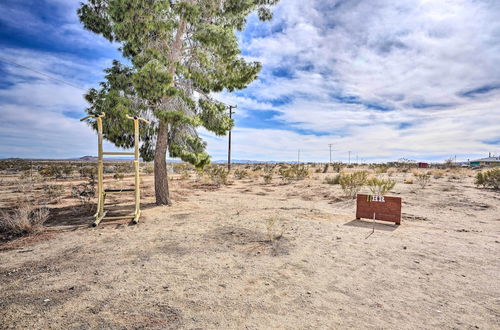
column 178, row 52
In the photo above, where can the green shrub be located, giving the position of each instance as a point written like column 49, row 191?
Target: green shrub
column 294, row 172
column 332, row 179
column 380, row 186
column 352, row 183
column 489, row 179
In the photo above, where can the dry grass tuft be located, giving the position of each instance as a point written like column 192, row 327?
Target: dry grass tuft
column 24, row 220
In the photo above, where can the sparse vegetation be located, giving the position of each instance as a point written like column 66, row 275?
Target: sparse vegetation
column 273, row 233
column 218, row 175
column 240, row 174
column 423, row 179
column 380, row 186
column 294, row 172
column 332, row 179
column 149, row 168
column 489, row 179
column 352, row 183
column 23, row 220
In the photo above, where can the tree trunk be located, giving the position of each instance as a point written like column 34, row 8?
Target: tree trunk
column 161, row 175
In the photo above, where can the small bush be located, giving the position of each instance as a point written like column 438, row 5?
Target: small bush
column 118, row 176
column 423, row 179
column 84, row 191
column 381, row 168
column 438, row 174
column 380, row 186
column 409, row 181
column 149, row 168
column 240, row 174
column 54, row 192
column 268, row 177
column 52, row 171
column 272, row 233
column 352, row 183
column 294, row 172
column 489, row 179
column 88, row 172
column 26, row 219
column 218, row 175
column 332, row 179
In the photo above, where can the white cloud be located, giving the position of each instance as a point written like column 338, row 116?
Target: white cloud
column 343, row 59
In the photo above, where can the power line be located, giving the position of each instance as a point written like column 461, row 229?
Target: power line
column 41, row 73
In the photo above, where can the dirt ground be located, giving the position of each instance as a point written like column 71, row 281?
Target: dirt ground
column 207, row 263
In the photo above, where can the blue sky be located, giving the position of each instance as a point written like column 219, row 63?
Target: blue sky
column 382, row 79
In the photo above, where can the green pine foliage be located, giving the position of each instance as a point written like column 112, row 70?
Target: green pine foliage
column 178, row 53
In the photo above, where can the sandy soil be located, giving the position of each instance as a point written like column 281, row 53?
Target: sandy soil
column 206, row 262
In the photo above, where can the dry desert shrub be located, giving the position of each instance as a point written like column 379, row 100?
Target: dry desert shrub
column 381, row 168
column 294, row 172
column 240, row 174
column 24, row 186
column 56, row 171
column 332, row 179
column 53, row 192
column 149, row 168
column 84, row 192
column 25, row 219
column 437, row 174
column 409, row 181
column 218, row 175
column 273, row 232
column 268, row 174
column 423, row 179
column 118, row 176
column 391, row 171
column 352, row 183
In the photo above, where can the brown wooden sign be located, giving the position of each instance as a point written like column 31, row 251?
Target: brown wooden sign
column 385, row 208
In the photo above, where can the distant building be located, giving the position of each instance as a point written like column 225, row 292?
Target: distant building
column 488, row 161
column 423, row 165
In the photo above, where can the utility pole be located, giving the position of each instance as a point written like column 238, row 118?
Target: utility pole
column 356, row 158
column 231, row 107
column 349, row 157
column 298, row 157
column 330, row 145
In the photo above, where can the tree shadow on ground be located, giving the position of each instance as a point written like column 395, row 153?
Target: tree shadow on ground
column 78, row 216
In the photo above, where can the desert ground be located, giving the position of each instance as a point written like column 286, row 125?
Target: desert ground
column 251, row 255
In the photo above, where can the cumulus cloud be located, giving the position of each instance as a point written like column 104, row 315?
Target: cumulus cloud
column 383, row 78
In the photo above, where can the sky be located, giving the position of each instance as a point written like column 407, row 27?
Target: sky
column 381, row 79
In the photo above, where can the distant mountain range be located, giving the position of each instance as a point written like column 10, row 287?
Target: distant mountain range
column 122, row 159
